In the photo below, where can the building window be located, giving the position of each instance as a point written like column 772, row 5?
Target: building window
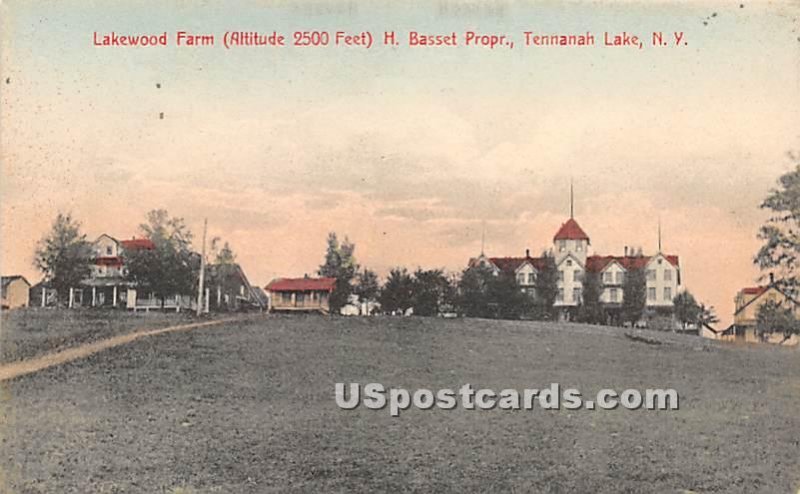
column 569, row 262
column 620, row 277
column 608, row 277
column 108, row 250
column 562, row 245
column 578, row 245
column 651, row 294
column 521, row 278
column 561, row 276
column 576, row 275
column 614, row 295
column 531, row 278
column 651, row 275
column 667, row 274
column 576, row 294
column 667, row 293
column 560, row 296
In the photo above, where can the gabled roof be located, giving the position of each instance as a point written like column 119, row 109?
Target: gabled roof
column 758, row 291
column 511, row 264
column 5, row 280
column 570, row 256
column 138, row 243
column 599, row 263
column 107, row 236
column 571, row 230
column 301, row 284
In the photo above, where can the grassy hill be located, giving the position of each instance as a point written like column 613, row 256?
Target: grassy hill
column 249, row 407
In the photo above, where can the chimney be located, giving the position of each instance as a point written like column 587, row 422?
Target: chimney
column 626, row 251
column 772, row 278
column 527, row 252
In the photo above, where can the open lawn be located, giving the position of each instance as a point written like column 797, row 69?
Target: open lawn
column 249, row 407
column 26, row 333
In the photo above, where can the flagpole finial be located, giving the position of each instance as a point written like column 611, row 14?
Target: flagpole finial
column 659, row 234
column 483, row 237
column 571, row 200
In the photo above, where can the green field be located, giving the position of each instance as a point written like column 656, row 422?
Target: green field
column 249, row 407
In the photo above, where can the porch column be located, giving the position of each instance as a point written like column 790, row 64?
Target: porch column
column 71, row 297
column 219, row 295
column 178, row 303
column 294, row 300
column 114, row 303
column 44, row 297
column 205, row 300
column 94, row 296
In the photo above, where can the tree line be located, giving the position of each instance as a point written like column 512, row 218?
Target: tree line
column 480, row 292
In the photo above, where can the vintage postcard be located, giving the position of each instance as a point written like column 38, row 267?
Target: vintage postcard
column 373, row 246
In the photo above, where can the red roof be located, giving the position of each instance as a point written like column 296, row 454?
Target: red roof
column 754, row 290
column 571, row 230
column 138, row 243
column 511, row 264
column 301, row 284
column 599, row 263
column 108, row 261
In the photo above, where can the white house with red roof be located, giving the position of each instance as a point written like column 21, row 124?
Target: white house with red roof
column 571, row 250
column 107, row 285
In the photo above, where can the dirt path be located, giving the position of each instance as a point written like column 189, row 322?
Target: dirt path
column 16, row 369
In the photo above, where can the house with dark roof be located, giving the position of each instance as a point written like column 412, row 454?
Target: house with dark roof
column 230, row 290
column 300, row 294
column 14, row 292
column 571, row 251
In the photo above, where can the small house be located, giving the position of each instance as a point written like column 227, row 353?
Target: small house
column 15, row 292
column 301, row 294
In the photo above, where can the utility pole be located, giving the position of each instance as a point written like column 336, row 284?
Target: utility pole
column 202, row 270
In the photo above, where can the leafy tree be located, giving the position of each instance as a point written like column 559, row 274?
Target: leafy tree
column 706, row 316
column 687, row 310
column 397, row 293
column 547, row 286
column 223, row 274
column 170, row 268
column 339, row 263
column 505, row 298
column 472, row 298
column 482, row 294
column 591, row 310
column 634, row 296
column 64, row 255
column 430, row 290
column 367, row 286
column 225, row 256
column 781, row 233
column 774, row 318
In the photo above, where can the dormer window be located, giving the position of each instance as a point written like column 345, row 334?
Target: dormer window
column 109, row 250
column 569, row 262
